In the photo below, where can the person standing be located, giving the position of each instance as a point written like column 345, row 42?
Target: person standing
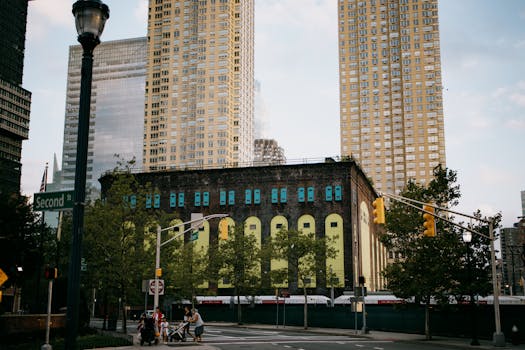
column 199, row 325
column 157, row 317
column 187, row 319
column 164, row 325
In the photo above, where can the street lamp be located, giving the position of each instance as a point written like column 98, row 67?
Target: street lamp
column 197, row 221
column 467, row 238
column 90, row 18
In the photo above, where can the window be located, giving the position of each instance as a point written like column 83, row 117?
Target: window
column 173, row 200
column 222, row 197
column 333, row 224
column 283, row 195
column 328, row 193
column 256, row 196
column 181, row 199
column 133, row 201
column 306, row 225
column 338, row 193
column 310, row 194
column 148, row 201
column 205, row 199
column 197, row 199
column 156, row 200
column 248, row 196
column 300, row 194
column 275, row 196
column 231, row 197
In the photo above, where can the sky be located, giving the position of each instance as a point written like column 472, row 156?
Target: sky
column 296, row 63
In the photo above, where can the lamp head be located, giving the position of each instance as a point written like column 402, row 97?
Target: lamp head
column 90, row 18
column 467, row 236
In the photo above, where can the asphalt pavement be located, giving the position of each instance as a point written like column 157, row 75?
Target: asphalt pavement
column 459, row 343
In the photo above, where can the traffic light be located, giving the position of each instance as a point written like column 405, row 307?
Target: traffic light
column 50, row 273
column 430, row 221
column 379, row 210
column 158, row 272
column 223, row 229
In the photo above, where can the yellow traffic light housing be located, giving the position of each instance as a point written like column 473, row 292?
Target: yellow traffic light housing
column 379, row 210
column 430, row 221
column 223, row 229
column 158, row 272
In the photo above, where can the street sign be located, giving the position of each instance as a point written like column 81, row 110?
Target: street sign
column 44, row 201
column 152, row 287
column 3, row 277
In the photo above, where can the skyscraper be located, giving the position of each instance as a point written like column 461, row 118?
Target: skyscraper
column 200, row 83
column 391, row 90
column 15, row 101
column 117, row 109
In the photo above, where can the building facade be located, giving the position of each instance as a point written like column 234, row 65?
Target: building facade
column 391, row 89
column 268, row 152
column 512, row 240
column 331, row 199
column 15, row 102
column 200, row 84
column 117, row 110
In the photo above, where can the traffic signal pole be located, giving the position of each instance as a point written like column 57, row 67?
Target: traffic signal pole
column 498, row 338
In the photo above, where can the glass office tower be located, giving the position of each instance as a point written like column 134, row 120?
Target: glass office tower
column 117, row 109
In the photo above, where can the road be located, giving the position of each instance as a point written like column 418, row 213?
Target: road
column 246, row 338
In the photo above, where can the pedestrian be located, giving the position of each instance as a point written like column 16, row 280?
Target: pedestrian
column 157, row 317
column 164, row 326
column 199, row 325
column 187, row 319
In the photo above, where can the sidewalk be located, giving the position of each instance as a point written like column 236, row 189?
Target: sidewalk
column 459, row 343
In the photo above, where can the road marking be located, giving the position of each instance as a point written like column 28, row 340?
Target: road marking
column 376, row 348
column 359, row 345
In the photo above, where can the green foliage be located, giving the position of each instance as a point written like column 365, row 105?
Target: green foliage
column 239, row 261
column 434, row 267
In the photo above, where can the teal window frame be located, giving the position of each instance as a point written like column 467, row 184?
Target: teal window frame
column 133, row 201
column 300, row 195
column 338, row 193
column 181, row 200
column 248, row 196
column 231, row 197
column 205, row 199
column 275, row 195
column 328, row 193
column 310, row 194
column 222, row 197
column 256, row 196
column 197, row 199
column 148, row 201
column 173, row 200
column 284, row 196
column 156, row 200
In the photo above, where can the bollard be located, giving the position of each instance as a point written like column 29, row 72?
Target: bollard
column 515, row 335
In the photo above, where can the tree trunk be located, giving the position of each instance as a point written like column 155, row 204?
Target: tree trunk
column 239, row 310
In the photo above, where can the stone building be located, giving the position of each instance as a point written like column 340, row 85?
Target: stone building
column 331, row 199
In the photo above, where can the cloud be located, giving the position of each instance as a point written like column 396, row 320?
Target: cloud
column 46, row 14
column 141, row 11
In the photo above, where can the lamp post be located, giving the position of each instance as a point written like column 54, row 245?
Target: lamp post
column 198, row 221
column 90, row 18
column 467, row 238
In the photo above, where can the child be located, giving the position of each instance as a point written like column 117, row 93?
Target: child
column 164, row 326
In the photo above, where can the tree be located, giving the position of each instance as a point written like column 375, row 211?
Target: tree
column 430, row 267
column 25, row 243
column 118, row 231
column 239, row 263
column 306, row 255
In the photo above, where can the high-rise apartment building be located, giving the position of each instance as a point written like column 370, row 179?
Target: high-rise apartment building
column 200, row 83
column 117, row 109
column 15, row 102
column 268, row 152
column 391, row 90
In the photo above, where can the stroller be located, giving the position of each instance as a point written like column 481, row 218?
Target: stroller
column 177, row 333
column 147, row 333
